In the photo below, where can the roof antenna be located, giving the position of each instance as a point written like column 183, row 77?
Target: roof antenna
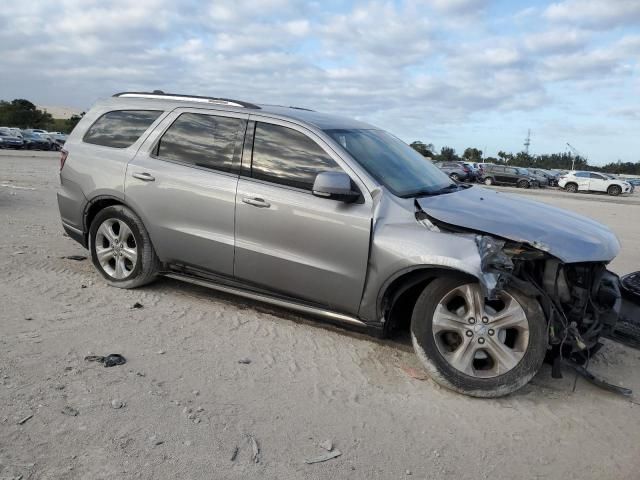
column 158, row 92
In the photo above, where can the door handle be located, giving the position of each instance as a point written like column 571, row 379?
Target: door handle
column 144, row 176
column 256, row 202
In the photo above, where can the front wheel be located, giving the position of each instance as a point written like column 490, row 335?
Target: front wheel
column 455, row 177
column 614, row 190
column 523, row 184
column 571, row 187
column 121, row 249
column 475, row 346
column 488, row 181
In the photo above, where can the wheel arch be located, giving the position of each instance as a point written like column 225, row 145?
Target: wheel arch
column 95, row 206
column 400, row 293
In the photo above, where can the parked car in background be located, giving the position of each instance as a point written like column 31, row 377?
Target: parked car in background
column 59, row 138
column 457, row 171
column 53, row 143
column 546, row 177
column 635, row 182
column 505, row 175
column 8, row 140
column 581, row 181
column 34, row 141
column 474, row 170
column 336, row 218
column 542, row 178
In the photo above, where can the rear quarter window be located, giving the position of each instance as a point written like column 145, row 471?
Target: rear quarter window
column 121, row 128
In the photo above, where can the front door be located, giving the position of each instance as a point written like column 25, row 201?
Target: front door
column 183, row 184
column 597, row 182
column 288, row 240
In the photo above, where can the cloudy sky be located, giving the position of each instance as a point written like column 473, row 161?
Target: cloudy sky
column 450, row 72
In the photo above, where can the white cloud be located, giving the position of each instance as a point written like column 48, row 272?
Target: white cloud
column 410, row 66
column 595, row 13
column 557, row 40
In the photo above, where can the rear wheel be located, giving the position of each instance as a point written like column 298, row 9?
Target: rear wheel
column 571, row 187
column 121, row 249
column 614, row 190
column 455, row 177
column 475, row 346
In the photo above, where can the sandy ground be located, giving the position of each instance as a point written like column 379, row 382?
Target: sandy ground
column 189, row 403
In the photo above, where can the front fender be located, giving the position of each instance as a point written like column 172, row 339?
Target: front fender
column 398, row 249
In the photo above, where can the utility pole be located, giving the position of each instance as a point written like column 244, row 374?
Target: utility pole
column 576, row 153
column 527, row 142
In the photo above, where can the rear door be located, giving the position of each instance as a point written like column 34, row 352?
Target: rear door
column 288, row 240
column 182, row 182
column 498, row 174
column 583, row 179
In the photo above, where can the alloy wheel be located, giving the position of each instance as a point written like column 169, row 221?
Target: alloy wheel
column 477, row 337
column 116, row 248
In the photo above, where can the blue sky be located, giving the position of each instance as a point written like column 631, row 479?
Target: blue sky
column 449, row 72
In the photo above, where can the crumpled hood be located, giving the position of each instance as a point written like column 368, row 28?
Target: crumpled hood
column 565, row 235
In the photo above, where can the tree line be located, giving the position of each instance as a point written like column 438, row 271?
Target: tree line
column 559, row 161
column 21, row 113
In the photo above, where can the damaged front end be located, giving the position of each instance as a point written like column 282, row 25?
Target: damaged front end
column 582, row 302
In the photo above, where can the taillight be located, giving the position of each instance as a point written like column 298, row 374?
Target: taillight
column 63, row 158
column 466, row 169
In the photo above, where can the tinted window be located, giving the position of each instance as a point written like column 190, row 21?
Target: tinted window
column 202, row 140
column 596, row 176
column 510, row 170
column 286, row 156
column 582, row 174
column 120, row 129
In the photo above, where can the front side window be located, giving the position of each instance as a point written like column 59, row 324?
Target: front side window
column 121, row 128
column 285, row 156
column 391, row 162
column 200, row 140
column 511, row 170
column 597, row 177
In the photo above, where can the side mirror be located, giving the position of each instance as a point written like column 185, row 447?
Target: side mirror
column 335, row 186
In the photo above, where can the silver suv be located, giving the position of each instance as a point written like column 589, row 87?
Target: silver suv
column 336, row 218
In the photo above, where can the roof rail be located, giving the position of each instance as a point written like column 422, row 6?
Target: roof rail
column 187, row 98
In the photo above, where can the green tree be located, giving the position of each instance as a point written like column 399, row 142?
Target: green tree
column 424, row 149
column 22, row 113
column 70, row 123
column 472, row 155
column 447, row 154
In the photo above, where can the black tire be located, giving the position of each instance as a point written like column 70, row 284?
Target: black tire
column 442, row 372
column 455, row 177
column 571, row 187
column 488, row 181
column 523, row 184
column 614, row 190
column 147, row 266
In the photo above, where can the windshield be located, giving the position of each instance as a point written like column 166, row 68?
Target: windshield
column 391, row 162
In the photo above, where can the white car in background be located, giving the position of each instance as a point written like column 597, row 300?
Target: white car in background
column 579, row 181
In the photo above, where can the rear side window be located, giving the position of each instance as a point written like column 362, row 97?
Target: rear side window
column 287, row 157
column 582, row 174
column 120, row 129
column 207, row 141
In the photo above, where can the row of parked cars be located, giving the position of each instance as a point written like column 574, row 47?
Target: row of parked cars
column 31, row 139
column 490, row 174
column 571, row 181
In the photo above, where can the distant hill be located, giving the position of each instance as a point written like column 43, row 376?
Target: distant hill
column 60, row 112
